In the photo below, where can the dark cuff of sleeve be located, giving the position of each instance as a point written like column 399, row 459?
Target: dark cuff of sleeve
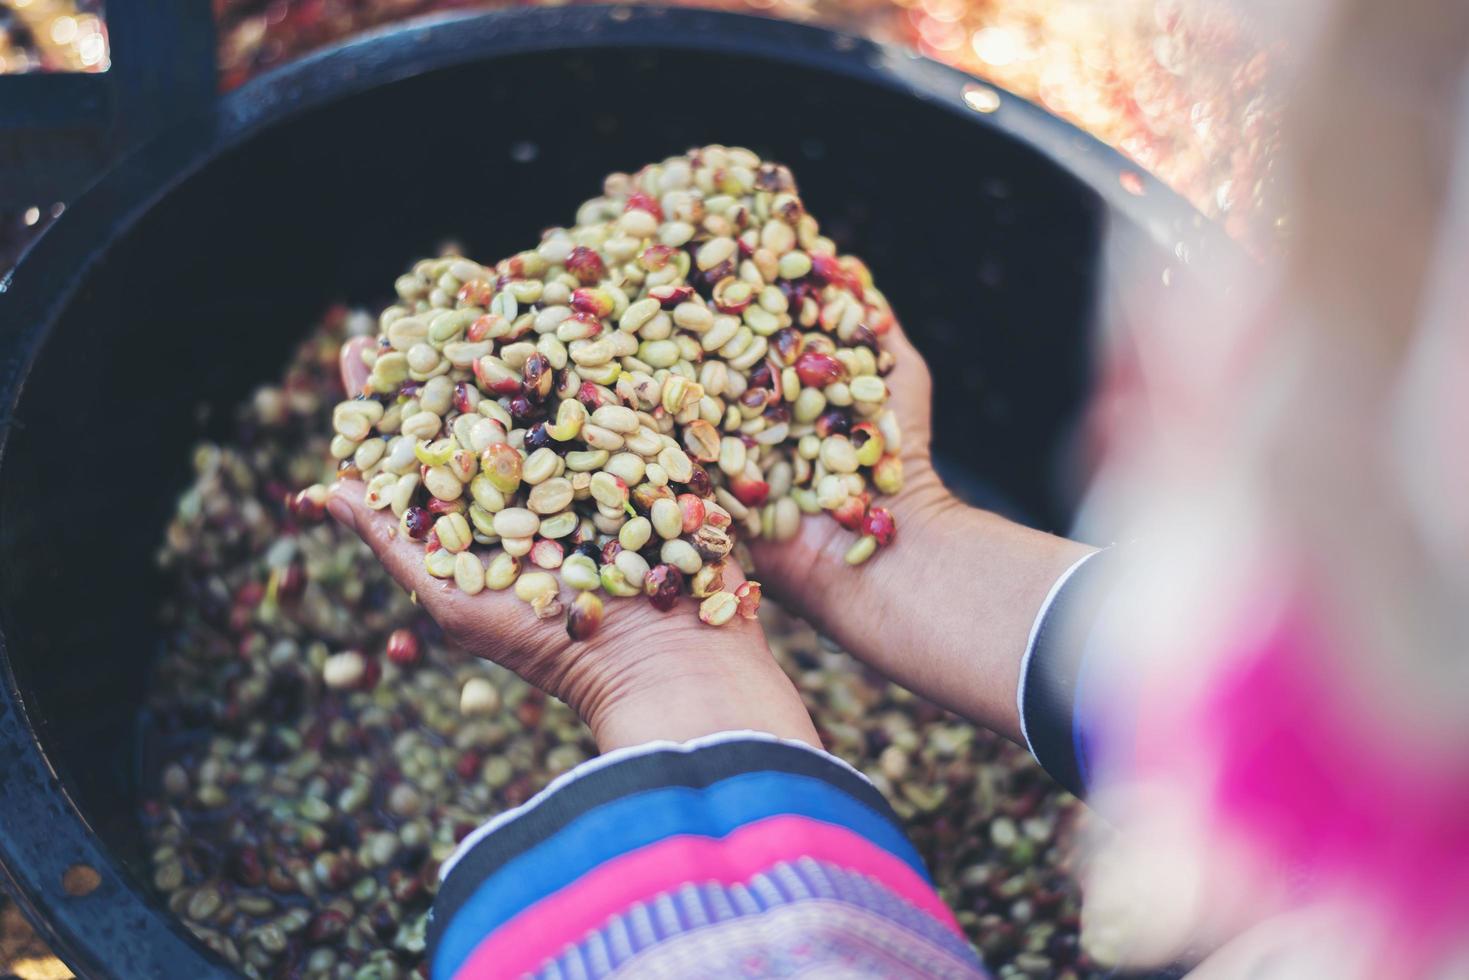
column 1054, row 665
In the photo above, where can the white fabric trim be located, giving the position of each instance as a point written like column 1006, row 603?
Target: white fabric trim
column 1035, row 629
column 614, row 757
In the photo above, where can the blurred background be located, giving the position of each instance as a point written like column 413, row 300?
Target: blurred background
column 1187, row 90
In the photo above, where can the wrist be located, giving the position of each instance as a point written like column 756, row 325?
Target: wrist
column 673, row 682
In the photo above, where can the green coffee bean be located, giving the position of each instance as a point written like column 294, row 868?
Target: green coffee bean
column 558, row 525
column 635, row 533
column 469, row 574
column 718, row 608
column 516, row 522
column 587, row 460
column 861, row 550
column 502, row 572
column 681, row 555
column 580, row 572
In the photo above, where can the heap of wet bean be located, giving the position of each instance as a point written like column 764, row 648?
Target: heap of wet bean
column 692, row 361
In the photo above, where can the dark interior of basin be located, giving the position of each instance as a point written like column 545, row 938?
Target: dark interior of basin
column 988, row 252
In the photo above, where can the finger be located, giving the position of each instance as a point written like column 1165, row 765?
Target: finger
column 354, row 372
column 908, row 360
column 456, row 611
column 489, row 624
column 895, row 339
column 909, row 383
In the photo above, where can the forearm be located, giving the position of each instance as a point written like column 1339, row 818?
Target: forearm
column 983, row 579
column 947, row 610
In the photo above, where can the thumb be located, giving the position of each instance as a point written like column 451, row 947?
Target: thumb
column 354, row 372
column 910, row 390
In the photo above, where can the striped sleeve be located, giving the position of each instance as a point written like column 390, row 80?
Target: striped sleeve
column 1061, row 714
column 734, row 855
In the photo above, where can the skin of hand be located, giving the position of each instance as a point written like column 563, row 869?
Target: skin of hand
column 645, row 675
column 946, row 608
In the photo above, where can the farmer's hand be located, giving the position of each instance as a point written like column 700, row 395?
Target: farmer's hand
column 946, row 608
column 644, row 675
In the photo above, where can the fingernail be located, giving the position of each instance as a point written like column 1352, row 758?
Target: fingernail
column 342, row 511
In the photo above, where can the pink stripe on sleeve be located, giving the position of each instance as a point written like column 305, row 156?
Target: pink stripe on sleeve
column 546, row 928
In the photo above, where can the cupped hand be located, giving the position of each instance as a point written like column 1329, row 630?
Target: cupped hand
column 805, row 570
column 645, row 674
column 946, row 608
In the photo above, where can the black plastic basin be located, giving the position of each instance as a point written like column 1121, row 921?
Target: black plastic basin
column 185, row 277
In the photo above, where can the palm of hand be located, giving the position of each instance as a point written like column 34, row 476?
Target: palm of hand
column 502, row 628
column 787, row 567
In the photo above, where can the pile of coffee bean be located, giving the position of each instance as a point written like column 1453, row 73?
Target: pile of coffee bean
column 690, row 362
